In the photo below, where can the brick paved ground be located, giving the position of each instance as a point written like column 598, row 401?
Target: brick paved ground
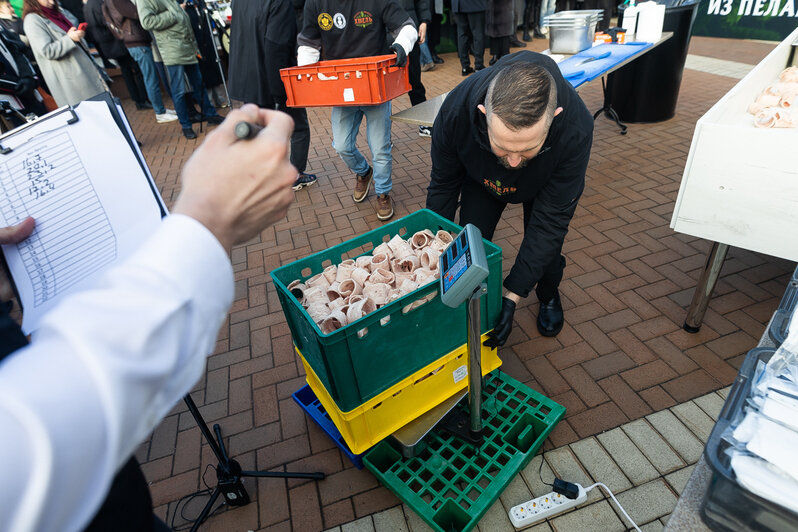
column 621, row 356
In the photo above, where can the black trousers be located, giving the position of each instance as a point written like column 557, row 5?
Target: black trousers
column 500, row 46
column 479, row 207
column 434, row 33
column 471, row 38
column 133, row 79
column 300, row 139
column 417, row 93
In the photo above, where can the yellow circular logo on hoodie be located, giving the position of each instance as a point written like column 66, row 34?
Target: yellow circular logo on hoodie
column 325, row 21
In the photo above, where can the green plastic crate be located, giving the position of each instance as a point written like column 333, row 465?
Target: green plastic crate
column 357, row 362
column 450, row 484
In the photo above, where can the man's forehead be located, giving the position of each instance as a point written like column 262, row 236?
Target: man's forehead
column 516, row 140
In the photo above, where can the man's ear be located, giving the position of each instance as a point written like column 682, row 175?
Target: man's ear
column 557, row 111
column 485, row 112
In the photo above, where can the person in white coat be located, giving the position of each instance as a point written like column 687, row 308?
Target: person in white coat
column 63, row 57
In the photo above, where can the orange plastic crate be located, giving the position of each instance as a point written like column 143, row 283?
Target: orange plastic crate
column 357, row 81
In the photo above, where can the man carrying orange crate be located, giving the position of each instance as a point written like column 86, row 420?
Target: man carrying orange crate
column 357, row 28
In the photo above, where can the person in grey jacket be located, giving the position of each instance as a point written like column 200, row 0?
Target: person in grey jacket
column 171, row 28
column 70, row 73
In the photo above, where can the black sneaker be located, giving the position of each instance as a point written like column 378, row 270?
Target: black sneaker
column 143, row 106
column 215, row 120
column 304, row 180
column 466, row 71
column 189, row 133
column 424, row 131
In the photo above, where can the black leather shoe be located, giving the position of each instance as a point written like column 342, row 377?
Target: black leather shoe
column 539, row 34
column 479, row 67
column 467, row 70
column 550, row 317
column 493, row 60
column 515, row 43
column 437, row 60
column 189, row 133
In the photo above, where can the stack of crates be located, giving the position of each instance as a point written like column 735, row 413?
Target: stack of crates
column 379, row 373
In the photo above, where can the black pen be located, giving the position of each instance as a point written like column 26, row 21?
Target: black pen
column 247, row 130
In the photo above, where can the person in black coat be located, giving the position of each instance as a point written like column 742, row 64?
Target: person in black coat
column 515, row 133
column 262, row 41
column 17, row 79
column 419, row 12
column 470, row 18
column 115, row 49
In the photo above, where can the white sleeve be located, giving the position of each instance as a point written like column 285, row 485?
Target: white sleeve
column 103, row 369
column 307, row 55
column 407, row 37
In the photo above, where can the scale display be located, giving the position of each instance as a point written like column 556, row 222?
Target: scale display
column 463, row 266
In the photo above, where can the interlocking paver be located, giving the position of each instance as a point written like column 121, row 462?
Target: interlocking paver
column 627, row 283
column 677, row 435
column 649, row 501
column 628, row 457
column 652, row 446
column 600, row 465
column 594, row 517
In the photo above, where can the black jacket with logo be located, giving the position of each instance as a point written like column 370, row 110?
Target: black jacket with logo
column 351, row 28
column 553, row 180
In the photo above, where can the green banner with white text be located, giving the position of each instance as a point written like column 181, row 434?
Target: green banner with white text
column 768, row 20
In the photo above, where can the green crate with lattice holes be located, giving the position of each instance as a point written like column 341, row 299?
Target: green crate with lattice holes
column 450, row 484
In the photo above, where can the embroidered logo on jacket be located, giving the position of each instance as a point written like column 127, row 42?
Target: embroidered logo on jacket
column 339, row 20
column 325, row 21
column 497, row 187
column 363, row 19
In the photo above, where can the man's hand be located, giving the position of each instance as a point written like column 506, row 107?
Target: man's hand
column 498, row 336
column 238, row 188
column 13, row 235
column 401, row 56
column 422, row 32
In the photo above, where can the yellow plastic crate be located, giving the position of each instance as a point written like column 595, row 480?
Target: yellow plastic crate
column 368, row 424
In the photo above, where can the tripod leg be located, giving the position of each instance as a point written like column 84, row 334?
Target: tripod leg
column 280, row 474
column 206, row 510
column 218, row 430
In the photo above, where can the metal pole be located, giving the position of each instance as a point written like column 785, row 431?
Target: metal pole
column 474, row 346
column 216, row 52
column 706, row 284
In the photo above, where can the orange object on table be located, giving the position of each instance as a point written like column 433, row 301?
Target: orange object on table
column 602, row 37
column 357, row 81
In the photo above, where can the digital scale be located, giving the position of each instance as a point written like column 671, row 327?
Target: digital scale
column 464, row 268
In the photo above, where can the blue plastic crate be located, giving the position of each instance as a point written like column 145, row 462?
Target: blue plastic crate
column 306, row 399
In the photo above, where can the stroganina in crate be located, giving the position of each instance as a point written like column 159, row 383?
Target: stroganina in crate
column 345, row 293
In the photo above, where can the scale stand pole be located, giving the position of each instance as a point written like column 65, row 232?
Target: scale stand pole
column 474, row 347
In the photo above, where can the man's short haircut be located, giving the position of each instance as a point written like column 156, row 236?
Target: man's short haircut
column 521, row 94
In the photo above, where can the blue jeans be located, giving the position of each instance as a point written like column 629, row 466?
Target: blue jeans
column 426, row 56
column 143, row 56
column 546, row 8
column 345, row 125
column 177, row 75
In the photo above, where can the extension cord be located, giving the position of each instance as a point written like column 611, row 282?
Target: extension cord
column 543, row 507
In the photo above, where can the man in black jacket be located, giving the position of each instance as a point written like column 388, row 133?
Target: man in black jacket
column 262, row 41
column 419, row 12
column 515, row 133
column 17, row 79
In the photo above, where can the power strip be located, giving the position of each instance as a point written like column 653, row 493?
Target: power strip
column 543, row 507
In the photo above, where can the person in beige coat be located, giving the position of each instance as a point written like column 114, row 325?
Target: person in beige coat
column 63, row 57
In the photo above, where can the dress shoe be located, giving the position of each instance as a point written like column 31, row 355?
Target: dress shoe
column 493, row 60
column 526, row 36
column 479, row 67
column 437, row 60
column 515, row 43
column 466, row 71
column 550, row 317
column 539, row 34
column 143, row 106
column 189, row 133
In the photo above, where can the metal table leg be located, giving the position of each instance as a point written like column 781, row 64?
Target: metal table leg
column 706, row 284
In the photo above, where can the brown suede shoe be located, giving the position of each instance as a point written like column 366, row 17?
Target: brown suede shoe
column 384, row 207
column 362, row 185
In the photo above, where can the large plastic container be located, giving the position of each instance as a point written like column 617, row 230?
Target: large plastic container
column 647, row 89
column 376, row 419
column 780, row 324
column 450, row 484
column 357, row 81
column 727, row 506
column 365, row 358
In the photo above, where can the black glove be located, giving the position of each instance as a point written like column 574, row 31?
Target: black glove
column 24, row 86
column 401, row 56
column 498, row 336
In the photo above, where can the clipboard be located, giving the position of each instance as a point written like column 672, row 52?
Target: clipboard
column 80, row 173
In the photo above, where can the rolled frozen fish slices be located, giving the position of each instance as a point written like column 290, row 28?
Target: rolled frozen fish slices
column 775, row 105
column 342, row 294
